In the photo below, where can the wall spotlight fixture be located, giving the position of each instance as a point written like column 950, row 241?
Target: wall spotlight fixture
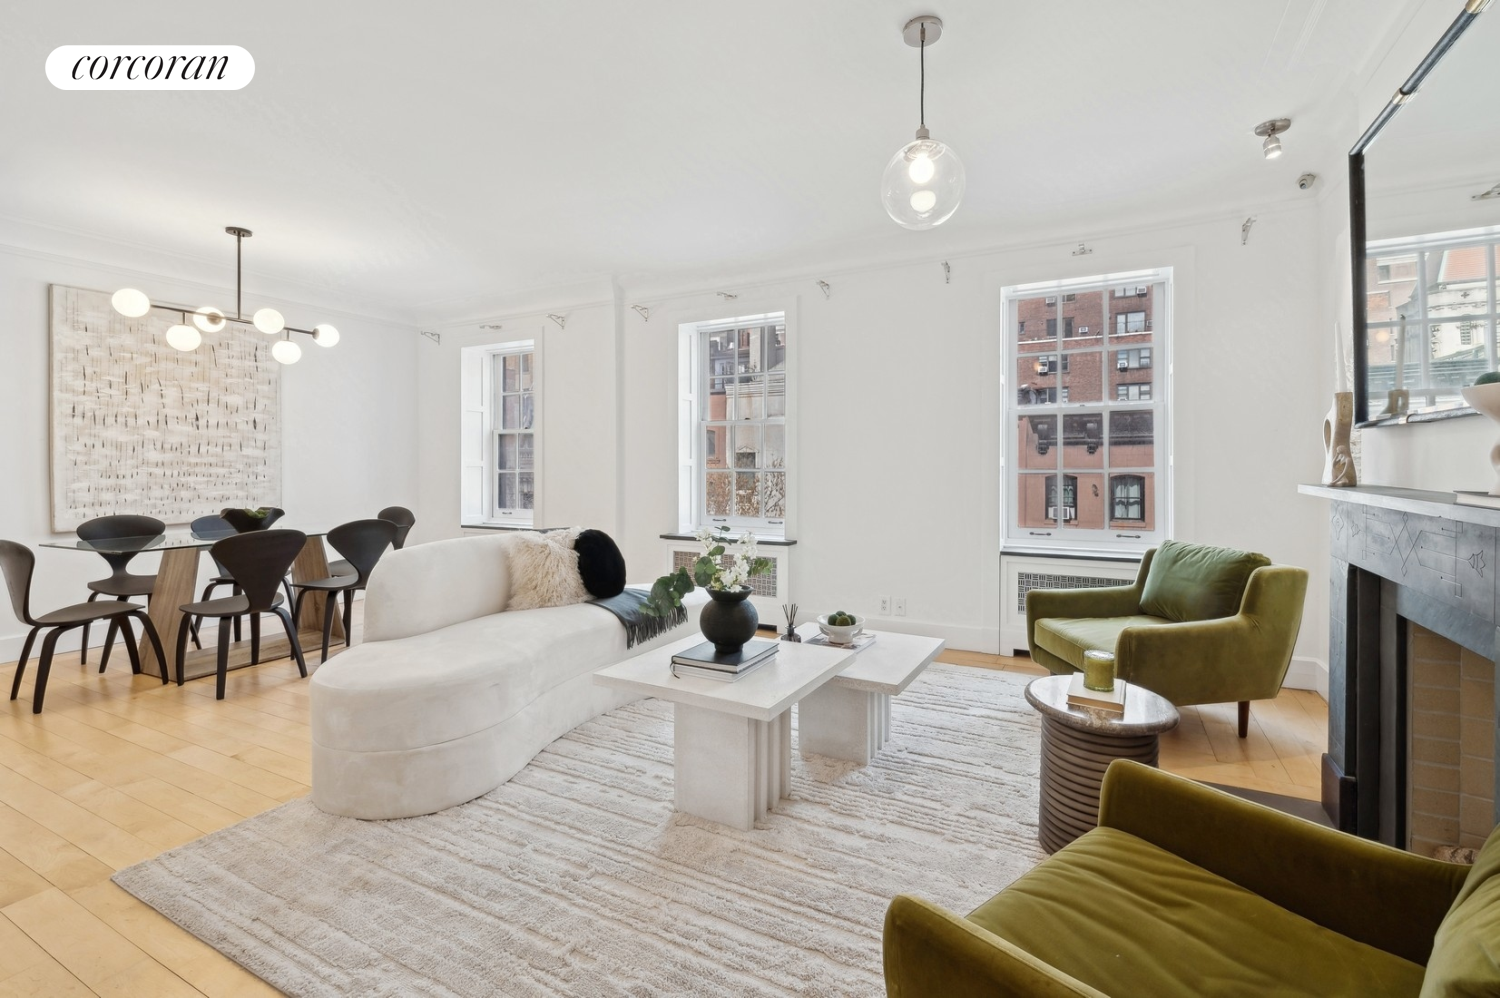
column 133, row 304
column 1272, row 130
column 1306, row 181
column 924, row 182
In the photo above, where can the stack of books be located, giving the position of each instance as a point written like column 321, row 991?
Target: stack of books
column 1080, row 695
column 1477, row 499
column 703, row 662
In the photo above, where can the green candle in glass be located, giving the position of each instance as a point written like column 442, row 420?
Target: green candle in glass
column 1099, row 671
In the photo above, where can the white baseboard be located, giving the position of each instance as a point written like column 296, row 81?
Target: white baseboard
column 1308, row 674
column 1013, row 640
column 957, row 637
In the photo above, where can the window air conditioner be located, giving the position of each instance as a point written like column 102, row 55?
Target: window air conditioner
column 1083, row 330
column 1123, row 365
column 1140, row 292
column 1052, row 301
column 1067, row 513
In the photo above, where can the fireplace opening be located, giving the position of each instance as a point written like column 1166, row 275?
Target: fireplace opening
column 1450, row 724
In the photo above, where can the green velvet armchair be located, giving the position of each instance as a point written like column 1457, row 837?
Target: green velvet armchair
column 1183, row 890
column 1200, row 624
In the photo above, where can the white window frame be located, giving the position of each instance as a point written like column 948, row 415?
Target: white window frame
column 1426, row 396
column 483, row 410
column 692, row 447
column 1108, row 539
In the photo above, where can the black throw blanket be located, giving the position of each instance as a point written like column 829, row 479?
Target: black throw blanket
column 639, row 626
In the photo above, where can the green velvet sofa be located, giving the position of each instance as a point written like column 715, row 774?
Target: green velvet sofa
column 1183, row 890
column 1200, row 624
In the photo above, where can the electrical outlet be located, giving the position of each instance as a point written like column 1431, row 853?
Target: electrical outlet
column 885, row 606
column 899, row 605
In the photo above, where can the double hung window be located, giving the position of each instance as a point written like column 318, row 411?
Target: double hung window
column 738, row 401
column 1085, row 412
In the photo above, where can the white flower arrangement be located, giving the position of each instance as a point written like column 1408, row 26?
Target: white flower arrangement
column 717, row 568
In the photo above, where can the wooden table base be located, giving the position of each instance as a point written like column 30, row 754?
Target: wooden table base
column 1073, row 765
column 176, row 582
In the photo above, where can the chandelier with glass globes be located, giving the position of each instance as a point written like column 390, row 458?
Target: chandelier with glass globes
column 133, row 303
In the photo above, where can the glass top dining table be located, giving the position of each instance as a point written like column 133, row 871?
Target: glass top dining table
column 176, row 581
column 172, row 540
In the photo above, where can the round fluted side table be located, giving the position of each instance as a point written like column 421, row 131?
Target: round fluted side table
column 1079, row 743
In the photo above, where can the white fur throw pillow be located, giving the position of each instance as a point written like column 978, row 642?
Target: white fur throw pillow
column 544, row 571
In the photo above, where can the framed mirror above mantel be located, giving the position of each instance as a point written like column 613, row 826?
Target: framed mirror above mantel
column 1424, row 209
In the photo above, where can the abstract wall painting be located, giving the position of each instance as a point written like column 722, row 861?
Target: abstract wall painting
column 139, row 427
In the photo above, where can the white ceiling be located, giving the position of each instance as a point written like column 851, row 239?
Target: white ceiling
column 425, row 157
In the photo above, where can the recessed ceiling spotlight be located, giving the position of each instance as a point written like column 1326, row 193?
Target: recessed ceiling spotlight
column 1272, row 131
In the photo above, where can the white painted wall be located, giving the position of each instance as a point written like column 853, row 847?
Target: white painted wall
column 896, row 415
column 348, row 437
column 578, row 442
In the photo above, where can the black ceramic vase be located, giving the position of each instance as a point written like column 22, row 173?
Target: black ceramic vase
column 729, row 619
column 243, row 521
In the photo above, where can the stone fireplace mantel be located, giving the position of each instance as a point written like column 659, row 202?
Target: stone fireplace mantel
column 1396, row 555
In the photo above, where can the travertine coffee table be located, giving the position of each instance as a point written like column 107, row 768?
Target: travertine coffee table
column 849, row 717
column 732, row 741
column 1079, row 743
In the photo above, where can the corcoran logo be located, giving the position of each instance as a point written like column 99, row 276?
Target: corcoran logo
column 150, row 67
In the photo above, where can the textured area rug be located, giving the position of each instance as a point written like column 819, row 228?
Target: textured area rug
column 577, row 878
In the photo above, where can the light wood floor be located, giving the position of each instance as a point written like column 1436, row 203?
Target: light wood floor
column 119, row 768
column 1281, row 753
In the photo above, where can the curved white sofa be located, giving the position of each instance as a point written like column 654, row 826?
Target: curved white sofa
column 450, row 695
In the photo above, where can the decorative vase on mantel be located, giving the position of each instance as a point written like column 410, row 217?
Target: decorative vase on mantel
column 1338, row 427
column 1486, row 399
column 728, row 619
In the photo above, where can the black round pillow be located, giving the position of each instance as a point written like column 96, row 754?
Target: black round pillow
column 600, row 563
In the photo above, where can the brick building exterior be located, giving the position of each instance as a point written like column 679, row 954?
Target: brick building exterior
column 1107, row 356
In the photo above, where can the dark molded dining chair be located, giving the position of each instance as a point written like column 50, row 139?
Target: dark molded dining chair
column 361, row 542
column 403, row 518
column 210, row 527
column 257, row 561
column 122, row 583
column 18, row 565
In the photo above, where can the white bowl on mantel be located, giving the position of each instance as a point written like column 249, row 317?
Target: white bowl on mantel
column 841, row 634
column 1486, row 399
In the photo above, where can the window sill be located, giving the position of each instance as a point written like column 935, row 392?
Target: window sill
column 1430, row 416
column 1073, row 554
column 502, row 526
column 778, row 542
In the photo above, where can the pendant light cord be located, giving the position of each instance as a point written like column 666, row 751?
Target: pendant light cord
column 922, row 87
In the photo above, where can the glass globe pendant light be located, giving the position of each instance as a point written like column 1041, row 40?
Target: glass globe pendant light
column 924, row 182
column 268, row 321
column 183, row 337
column 286, row 351
column 209, row 319
column 130, row 303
